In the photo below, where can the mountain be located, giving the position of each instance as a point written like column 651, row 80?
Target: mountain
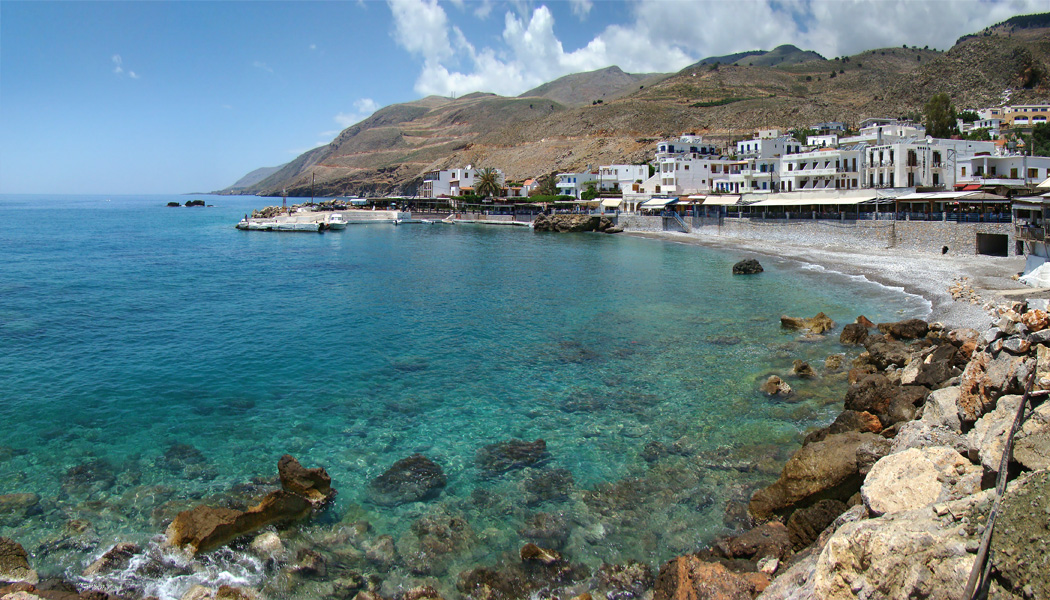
column 534, row 135
column 580, row 89
column 252, row 178
column 781, row 55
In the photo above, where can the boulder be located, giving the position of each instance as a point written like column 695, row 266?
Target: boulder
column 853, row 334
column 204, row 528
column 987, row 439
column 116, row 558
column 1020, row 551
column 532, row 553
column 572, row 223
column 824, row 469
column 986, row 379
column 872, row 394
column 884, row 351
column 412, row 479
column 499, row 458
column 871, row 451
column 916, row 477
column 932, row 367
column 833, row 363
column 775, row 386
column 851, row 420
column 14, row 508
column 309, row 563
column 268, row 545
column 1016, row 345
column 909, row 329
column 802, row 369
column 689, row 578
column 747, row 266
column 768, row 539
column 818, row 324
column 941, row 409
column 805, row 524
column 14, row 563
column 313, row 484
column 865, row 321
column 919, row 434
column 920, row 553
column 905, row 405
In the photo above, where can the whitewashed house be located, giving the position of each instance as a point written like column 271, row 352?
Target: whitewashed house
column 451, row 182
column 574, row 184
column 1010, row 170
column 918, row 162
column 824, row 169
column 617, row 178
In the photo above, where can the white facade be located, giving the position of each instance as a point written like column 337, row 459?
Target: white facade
column 621, row 177
column 574, row 184
column 826, row 169
column 684, row 146
column 882, row 132
column 1010, row 170
column 768, row 147
column 913, row 162
column 451, row 182
column 758, row 175
column 828, row 140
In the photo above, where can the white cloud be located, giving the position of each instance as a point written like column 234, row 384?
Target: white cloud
column 363, row 109
column 664, row 36
column 313, row 46
column 118, row 63
column 262, row 66
column 581, row 8
column 133, row 75
column 484, row 9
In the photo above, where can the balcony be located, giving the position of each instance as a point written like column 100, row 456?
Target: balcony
column 1030, row 233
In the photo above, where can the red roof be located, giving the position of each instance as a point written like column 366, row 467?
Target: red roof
column 971, row 187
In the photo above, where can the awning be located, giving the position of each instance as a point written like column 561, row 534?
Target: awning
column 722, row 200
column 815, row 200
column 657, row 203
column 611, row 202
column 1045, row 184
column 971, row 187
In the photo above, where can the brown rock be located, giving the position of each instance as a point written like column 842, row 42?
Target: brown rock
column 818, row 324
column 775, row 386
column 313, row 484
column 884, row 351
column 116, row 558
column 14, row 563
column 833, row 362
column 768, row 539
column 689, row 578
column 532, row 553
column 909, row 329
column 802, row 369
column 851, row 420
column 872, row 394
column 824, row 469
column 204, row 528
column 865, row 321
column 853, row 334
column 1036, row 320
column 423, row 592
column 858, row 373
column 806, row 524
column 984, row 380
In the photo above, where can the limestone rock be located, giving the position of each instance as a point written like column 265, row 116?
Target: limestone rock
column 941, row 409
column 987, row 439
column 116, row 558
column 805, row 524
column 909, row 329
column 313, row 484
column 205, row 528
column 1020, row 547
column 824, row 469
column 985, row 379
column 689, row 578
column 818, row 324
column 802, row 369
column 14, row 563
column 768, row 539
column 851, row 420
column 911, row 554
column 775, row 386
column 747, row 266
column 412, row 479
column 871, row 451
column 501, row 457
column 1033, row 451
column 919, row 434
column 853, row 334
column 795, row 582
column 916, row 477
column 267, row 545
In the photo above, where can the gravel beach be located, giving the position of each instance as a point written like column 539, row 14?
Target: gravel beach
column 924, row 274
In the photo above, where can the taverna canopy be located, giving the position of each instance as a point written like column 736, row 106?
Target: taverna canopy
column 722, row 200
column 815, row 200
column 656, row 203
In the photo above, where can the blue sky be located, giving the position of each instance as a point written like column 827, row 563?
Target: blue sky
column 174, row 97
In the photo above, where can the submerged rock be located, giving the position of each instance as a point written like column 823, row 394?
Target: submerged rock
column 775, row 386
column 818, row 324
column 802, row 369
column 747, row 266
column 205, row 528
column 14, row 563
column 532, row 552
column 115, row 559
column 411, row 479
column 501, row 457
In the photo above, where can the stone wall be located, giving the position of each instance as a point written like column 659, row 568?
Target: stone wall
column 924, row 236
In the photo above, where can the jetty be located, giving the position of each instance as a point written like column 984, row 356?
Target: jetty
column 314, row 221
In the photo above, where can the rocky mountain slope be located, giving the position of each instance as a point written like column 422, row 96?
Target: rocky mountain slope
column 534, row 135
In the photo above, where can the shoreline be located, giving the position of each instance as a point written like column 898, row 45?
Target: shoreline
column 922, row 274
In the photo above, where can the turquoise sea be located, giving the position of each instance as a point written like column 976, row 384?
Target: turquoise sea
column 152, row 358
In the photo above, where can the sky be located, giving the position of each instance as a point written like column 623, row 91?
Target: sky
column 158, row 97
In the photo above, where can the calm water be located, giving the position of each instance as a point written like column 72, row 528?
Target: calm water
column 127, row 327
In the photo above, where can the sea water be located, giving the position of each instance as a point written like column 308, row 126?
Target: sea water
column 153, row 358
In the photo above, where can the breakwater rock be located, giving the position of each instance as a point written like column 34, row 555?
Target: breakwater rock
column 891, row 500
column 575, row 223
column 748, row 266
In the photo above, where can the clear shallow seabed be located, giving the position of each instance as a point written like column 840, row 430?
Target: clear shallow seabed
column 128, row 328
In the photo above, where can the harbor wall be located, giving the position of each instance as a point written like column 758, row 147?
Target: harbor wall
column 923, row 236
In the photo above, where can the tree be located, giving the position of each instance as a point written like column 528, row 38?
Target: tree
column 969, row 116
column 487, row 183
column 548, row 186
column 979, row 135
column 940, row 117
column 590, row 193
column 1040, row 140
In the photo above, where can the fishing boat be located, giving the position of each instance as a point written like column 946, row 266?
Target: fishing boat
column 336, row 222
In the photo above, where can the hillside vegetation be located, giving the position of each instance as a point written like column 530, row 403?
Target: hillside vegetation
column 560, row 126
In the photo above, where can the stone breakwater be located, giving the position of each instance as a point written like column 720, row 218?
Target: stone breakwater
column 889, row 500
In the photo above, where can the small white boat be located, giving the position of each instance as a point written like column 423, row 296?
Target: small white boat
column 336, row 222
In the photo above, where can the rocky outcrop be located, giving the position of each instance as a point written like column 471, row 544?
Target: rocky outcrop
column 498, row 458
column 574, row 223
column 768, row 539
column 775, row 386
column 909, row 329
column 915, row 478
column 824, row 469
column 806, row 524
column 853, row 334
column 115, row 559
column 802, row 369
column 818, row 324
column 1020, row 547
column 14, row 563
column 412, row 479
column 748, row 266
column 205, row 528
column 689, row 578
column 313, row 484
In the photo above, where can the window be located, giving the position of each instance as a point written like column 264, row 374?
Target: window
column 1033, row 173
column 1013, row 173
column 686, row 167
column 964, row 171
column 991, row 170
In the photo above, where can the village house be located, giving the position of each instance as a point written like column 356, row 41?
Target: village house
column 617, row 178
column 1007, row 171
column 1027, row 115
column 574, row 184
column 825, row 140
column 918, row 162
column 451, row 182
column 823, row 169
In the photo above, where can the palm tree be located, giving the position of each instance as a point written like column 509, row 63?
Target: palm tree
column 486, row 182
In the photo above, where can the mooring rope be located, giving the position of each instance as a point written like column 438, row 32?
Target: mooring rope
column 982, row 566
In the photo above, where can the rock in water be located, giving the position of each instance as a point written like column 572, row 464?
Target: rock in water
column 411, row 479
column 747, row 266
column 14, row 563
column 802, row 369
column 775, row 386
column 818, row 324
column 909, row 329
column 532, row 552
column 116, row 558
column 689, row 578
column 501, row 457
column 853, row 334
column 204, row 528
column 313, row 484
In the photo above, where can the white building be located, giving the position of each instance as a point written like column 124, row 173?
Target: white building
column 827, row 140
column 621, row 177
column 574, row 184
column 768, row 147
column 451, row 182
column 758, row 175
column 881, row 131
column 686, row 145
column 824, row 169
column 915, row 162
column 1012, row 170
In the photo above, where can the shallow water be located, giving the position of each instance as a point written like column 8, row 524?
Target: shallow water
column 156, row 357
